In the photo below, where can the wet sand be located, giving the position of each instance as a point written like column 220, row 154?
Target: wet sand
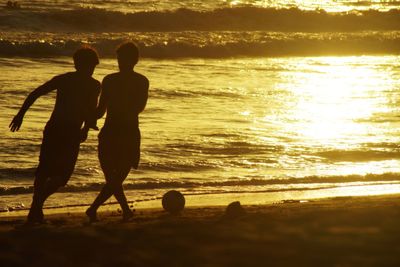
column 345, row 231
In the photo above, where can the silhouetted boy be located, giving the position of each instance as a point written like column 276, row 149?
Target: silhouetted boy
column 76, row 102
column 124, row 95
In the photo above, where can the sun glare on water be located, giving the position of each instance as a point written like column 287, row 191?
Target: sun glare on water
column 333, row 100
column 329, row 116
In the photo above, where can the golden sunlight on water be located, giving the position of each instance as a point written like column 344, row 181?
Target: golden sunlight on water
column 328, row 106
column 332, row 100
column 333, row 110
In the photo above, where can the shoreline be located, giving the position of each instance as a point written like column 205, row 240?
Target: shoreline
column 341, row 231
column 112, row 208
column 199, row 200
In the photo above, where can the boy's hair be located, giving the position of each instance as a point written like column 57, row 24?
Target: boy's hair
column 128, row 52
column 85, row 56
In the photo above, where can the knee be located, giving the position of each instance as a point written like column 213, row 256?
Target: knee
column 39, row 181
column 58, row 181
column 114, row 184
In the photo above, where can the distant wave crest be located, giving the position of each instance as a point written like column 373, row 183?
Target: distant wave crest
column 239, row 18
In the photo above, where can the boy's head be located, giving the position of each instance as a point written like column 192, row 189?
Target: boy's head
column 86, row 59
column 127, row 55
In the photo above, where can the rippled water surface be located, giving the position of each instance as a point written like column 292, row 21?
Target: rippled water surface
column 212, row 123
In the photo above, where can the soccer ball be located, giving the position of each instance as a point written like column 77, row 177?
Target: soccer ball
column 173, row 201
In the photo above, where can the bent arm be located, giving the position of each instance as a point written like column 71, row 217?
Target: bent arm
column 102, row 107
column 91, row 118
column 143, row 97
column 35, row 94
column 103, row 102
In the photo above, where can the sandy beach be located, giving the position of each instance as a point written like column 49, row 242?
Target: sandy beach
column 343, row 231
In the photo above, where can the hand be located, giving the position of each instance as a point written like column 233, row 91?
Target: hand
column 16, row 123
column 84, row 134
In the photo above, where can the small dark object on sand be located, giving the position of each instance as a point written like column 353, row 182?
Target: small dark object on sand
column 234, row 210
column 13, row 5
column 173, row 201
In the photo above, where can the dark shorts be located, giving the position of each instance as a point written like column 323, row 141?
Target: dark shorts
column 58, row 152
column 118, row 149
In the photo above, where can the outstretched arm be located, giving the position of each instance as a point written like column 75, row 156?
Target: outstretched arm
column 35, row 94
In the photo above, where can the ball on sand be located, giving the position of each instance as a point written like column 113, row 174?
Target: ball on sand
column 173, row 201
column 234, row 210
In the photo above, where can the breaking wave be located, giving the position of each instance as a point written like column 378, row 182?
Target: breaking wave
column 270, row 185
column 224, row 32
column 210, row 44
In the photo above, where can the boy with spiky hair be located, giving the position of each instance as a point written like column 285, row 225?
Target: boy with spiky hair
column 74, row 113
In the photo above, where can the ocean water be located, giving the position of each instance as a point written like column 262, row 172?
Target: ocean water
column 267, row 97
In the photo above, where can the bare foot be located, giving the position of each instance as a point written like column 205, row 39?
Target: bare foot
column 127, row 215
column 35, row 217
column 92, row 214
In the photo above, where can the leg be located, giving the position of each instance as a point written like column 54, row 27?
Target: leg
column 105, row 193
column 106, row 163
column 116, row 167
column 52, row 185
column 113, row 186
column 36, row 211
column 58, row 155
column 118, row 190
column 121, row 198
column 43, row 188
